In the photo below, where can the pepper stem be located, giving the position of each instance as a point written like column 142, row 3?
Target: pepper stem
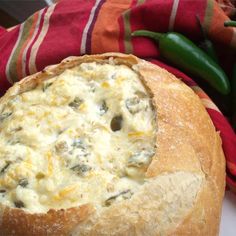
column 230, row 23
column 147, row 33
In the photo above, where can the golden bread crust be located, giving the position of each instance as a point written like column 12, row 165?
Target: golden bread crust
column 188, row 169
column 55, row 222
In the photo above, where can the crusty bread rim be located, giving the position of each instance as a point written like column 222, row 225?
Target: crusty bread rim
column 207, row 159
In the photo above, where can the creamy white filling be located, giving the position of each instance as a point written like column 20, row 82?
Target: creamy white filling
column 84, row 136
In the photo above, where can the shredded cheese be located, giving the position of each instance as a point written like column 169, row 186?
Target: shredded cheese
column 71, row 140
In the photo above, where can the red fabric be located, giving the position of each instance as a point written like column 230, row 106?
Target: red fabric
column 72, row 33
column 76, row 27
column 2, row 31
column 227, row 136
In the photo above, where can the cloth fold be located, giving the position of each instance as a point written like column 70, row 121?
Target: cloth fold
column 77, row 27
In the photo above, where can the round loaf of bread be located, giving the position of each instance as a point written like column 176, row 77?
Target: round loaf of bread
column 108, row 145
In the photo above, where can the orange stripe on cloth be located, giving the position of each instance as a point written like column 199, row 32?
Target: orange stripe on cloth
column 19, row 59
column 200, row 92
column 105, row 33
column 216, row 31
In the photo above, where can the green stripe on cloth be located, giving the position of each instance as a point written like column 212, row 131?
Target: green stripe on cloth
column 13, row 59
column 127, row 29
column 140, row 2
column 208, row 15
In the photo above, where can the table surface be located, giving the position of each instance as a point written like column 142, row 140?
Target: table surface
column 228, row 219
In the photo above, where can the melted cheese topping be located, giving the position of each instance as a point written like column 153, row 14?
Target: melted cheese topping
column 85, row 136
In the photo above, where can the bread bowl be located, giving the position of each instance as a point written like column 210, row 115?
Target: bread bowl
column 108, row 145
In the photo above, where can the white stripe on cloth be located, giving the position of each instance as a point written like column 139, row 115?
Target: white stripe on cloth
column 49, row 2
column 86, row 28
column 209, row 104
column 29, row 44
column 12, row 53
column 173, row 14
column 35, row 48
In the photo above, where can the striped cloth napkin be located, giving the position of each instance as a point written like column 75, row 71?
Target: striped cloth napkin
column 77, row 27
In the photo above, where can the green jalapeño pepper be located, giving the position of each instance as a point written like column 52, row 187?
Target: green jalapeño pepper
column 187, row 56
column 230, row 23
